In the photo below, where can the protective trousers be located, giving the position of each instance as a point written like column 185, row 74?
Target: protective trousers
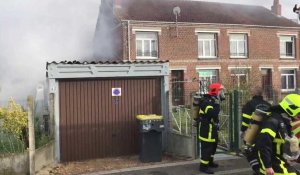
column 280, row 167
column 252, row 158
column 209, row 141
column 208, row 150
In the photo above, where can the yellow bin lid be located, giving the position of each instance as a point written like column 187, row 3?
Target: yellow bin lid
column 149, row 117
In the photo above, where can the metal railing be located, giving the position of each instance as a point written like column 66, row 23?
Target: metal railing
column 181, row 121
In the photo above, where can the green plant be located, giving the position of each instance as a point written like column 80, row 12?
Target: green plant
column 41, row 138
column 14, row 119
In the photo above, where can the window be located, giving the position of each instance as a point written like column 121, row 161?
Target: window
column 288, row 80
column 207, row 45
column 239, row 77
column 238, row 46
column 287, row 47
column 206, row 77
column 146, row 45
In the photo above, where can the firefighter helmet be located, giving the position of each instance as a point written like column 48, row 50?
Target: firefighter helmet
column 214, row 89
column 291, row 104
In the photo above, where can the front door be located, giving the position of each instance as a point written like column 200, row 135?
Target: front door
column 177, row 78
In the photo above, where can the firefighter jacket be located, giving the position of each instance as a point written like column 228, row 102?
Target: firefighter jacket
column 208, row 115
column 271, row 139
column 248, row 110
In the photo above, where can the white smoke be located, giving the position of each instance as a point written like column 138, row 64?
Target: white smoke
column 33, row 32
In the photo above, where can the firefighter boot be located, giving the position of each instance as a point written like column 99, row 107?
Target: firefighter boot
column 213, row 165
column 206, row 169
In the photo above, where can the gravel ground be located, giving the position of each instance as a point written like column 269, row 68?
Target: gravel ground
column 101, row 165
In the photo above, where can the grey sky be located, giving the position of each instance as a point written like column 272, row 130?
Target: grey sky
column 33, row 32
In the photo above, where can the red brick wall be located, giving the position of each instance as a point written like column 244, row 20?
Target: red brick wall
column 182, row 51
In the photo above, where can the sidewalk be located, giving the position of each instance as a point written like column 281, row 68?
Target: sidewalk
column 228, row 164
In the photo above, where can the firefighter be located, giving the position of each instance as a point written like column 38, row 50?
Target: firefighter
column 296, row 130
column 275, row 131
column 209, row 110
column 247, row 112
column 250, row 106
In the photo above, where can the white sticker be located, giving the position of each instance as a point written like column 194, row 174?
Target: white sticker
column 116, row 92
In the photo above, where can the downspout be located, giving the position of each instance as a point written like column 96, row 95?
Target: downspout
column 128, row 39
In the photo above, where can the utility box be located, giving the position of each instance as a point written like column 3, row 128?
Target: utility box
column 150, row 137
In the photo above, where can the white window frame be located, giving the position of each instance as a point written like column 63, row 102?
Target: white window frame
column 143, row 45
column 245, row 40
column 210, row 77
column 281, row 40
column 287, row 80
column 216, row 69
column 212, row 42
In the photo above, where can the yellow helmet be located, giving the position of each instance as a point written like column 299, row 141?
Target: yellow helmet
column 291, row 104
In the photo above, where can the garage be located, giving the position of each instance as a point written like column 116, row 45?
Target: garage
column 95, row 105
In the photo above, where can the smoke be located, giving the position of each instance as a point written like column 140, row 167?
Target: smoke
column 34, row 32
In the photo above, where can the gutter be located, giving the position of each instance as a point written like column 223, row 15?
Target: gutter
column 191, row 24
column 128, row 39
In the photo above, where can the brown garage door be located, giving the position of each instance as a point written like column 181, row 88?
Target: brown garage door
column 95, row 124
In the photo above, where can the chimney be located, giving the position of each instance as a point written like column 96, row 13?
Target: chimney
column 276, row 8
column 117, row 4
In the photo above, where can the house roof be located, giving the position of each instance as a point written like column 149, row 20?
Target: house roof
column 200, row 12
column 108, row 62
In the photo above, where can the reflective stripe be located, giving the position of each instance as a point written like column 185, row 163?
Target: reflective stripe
column 278, row 148
column 262, row 171
column 278, row 144
column 295, row 123
column 281, row 141
column 209, row 139
column 261, row 161
column 204, row 162
column 210, row 131
column 201, row 112
column 247, row 116
column 282, row 167
column 245, row 124
column 207, row 108
column 285, row 171
column 296, row 131
column 268, row 131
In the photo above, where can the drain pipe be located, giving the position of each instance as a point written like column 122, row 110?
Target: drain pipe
column 128, row 39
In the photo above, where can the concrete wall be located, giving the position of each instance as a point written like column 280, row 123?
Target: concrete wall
column 180, row 145
column 44, row 156
column 18, row 164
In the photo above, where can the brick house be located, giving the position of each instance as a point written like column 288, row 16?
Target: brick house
column 237, row 45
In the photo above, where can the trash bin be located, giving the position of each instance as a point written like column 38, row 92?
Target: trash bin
column 150, row 137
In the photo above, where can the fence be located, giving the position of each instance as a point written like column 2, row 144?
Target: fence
column 230, row 115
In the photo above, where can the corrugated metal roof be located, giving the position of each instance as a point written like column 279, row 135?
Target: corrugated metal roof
column 201, row 12
column 109, row 62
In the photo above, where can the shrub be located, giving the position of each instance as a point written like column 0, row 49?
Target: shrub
column 14, row 119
